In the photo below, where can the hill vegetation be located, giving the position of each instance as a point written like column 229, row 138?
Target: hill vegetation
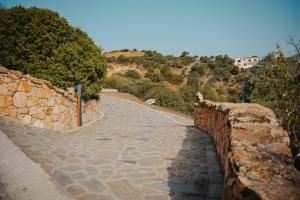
column 41, row 43
column 215, row 77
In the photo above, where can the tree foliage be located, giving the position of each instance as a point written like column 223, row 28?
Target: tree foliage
column 276, row 84
column 200, row 68
column 133, row 74
column 43, row 44
column 154, row 59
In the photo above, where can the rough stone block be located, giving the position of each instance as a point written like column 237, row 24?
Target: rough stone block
column 26, row 119
column 38, row 123
column 24, row 87
column 32, row 101
column 20, row 99
column 24, row 110
column 12, row 86
column 3, row 89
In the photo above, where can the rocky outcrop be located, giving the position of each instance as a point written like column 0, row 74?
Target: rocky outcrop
column 253, row 149
column 39, row 103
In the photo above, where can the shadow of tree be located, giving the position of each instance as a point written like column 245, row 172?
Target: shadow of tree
column 196, row 173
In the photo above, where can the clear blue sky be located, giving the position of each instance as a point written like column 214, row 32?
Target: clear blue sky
column 202, row 27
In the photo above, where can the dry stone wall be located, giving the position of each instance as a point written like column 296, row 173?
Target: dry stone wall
column 39, row 103
column 253, row 149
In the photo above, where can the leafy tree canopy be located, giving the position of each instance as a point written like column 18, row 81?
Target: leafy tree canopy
column 276, row 84
column 43, row 44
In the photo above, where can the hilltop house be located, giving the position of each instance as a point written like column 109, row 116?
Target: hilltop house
column 246, row 62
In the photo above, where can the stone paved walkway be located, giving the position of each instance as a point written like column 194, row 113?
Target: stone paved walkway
column 134, row 152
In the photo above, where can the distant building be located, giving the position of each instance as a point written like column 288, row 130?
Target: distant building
column 246, row 62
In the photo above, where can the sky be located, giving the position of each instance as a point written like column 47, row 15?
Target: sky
column 201, row 27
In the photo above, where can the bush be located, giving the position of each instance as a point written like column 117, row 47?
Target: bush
column 166, row 98
column 165, row 70
column 201, row 69
column 146, row 89
column 209, row 93
column 276, row 84
column 187, row 93
column 175, row 78
column 41, row 43
column 193, row 80
column 155, row 77
column 204, row 59
column 235, row 70
column 132, row 74
column 211, row 65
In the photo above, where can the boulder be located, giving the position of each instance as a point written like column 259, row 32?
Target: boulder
column 150, row 101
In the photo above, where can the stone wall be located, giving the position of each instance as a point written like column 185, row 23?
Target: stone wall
column 253, row 149
column 39, row 103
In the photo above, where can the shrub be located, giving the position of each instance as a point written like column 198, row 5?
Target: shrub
column 166, row 98
column 211, row 65
column 153, row 76
column 165, row 70
column 193, row 80
column 204, row 59
column 187, row 93
column 133, row 74
column 235, row 70
column 209, row 93
column 175, row 78
column 41, row 43
column 201, row 69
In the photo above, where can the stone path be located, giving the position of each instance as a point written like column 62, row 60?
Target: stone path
column 133, row 152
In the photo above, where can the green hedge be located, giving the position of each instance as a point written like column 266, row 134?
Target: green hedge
column 43, row 44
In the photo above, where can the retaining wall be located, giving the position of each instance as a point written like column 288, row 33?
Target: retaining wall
column 253, row 149
column 39, row 103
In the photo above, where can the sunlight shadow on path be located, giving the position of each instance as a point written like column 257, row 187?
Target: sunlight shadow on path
column 195, row 173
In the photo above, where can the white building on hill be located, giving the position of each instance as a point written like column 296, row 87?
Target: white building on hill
column 246, row 62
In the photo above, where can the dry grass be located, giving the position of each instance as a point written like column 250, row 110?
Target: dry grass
column 126, row 54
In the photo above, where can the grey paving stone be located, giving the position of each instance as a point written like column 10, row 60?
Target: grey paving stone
column 124, row 190
column 98, row 161
column 62, row 178
column 94, row 185
column 60, row 150
column 90, row 170
column 76, row 190
column 94, row 197
column 72, row 168
column 78, row 175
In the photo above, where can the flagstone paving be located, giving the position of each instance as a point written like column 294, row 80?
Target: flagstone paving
column 133, row 152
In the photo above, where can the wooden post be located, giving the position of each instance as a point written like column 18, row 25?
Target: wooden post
column 79, row 105
column 78, row 109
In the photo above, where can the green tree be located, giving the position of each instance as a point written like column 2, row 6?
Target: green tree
column 165, row 71
column 193, row 80
column 277, row 86
column 234, row 70
column 43, row 44
column 200, row 68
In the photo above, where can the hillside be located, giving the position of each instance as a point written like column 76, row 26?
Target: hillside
column 216, row 77
column 125, row 53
